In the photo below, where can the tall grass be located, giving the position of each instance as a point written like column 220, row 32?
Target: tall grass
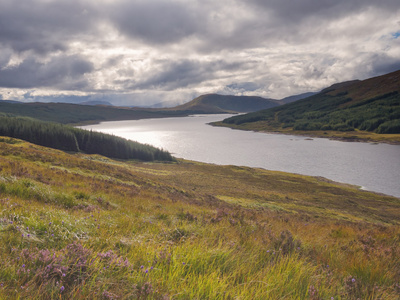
column 100, row 229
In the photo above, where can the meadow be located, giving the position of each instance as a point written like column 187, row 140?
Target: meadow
column 81, row 226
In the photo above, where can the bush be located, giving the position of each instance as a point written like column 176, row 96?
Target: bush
column 392, row 126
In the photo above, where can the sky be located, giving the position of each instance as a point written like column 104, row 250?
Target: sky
column 142, row 52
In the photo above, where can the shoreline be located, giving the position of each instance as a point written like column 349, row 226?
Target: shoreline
column 349, row 136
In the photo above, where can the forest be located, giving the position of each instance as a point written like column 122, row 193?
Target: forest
column 68, row 138
column 380, row 114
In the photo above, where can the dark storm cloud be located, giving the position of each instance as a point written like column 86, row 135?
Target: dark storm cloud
column 64, row 72
column 154, row 22
column 43, row 26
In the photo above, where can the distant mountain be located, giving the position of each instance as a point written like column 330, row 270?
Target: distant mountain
column 371, row 105
column 96, row 102
column 214, row 103
column 294, row 98
column 10, row 101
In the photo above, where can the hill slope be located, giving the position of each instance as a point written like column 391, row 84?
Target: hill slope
column 371, row 105
column 214, row 103
column 67, row 113
column 87, row 227
column 294, row 98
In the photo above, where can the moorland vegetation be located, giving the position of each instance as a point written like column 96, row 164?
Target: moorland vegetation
column 80, row 226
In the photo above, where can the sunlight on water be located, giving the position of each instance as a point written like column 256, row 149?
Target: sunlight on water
column 373, row 166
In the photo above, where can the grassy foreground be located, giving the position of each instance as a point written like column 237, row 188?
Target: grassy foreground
column 88, row 227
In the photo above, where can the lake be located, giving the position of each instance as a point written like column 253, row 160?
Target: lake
column 374, row 167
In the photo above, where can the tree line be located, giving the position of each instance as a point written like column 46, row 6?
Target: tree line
column 68, row 138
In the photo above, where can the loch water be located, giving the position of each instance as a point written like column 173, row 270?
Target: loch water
column 374, row 167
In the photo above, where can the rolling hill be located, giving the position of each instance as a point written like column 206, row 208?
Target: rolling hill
column 67, row 113
column 371, row 105
column 214, row 103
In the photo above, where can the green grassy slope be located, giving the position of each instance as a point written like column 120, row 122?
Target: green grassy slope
column 87, row 227
column 372, row 105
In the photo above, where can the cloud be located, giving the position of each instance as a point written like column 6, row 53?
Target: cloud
column 61, row 72
column 154, row 22
column 383, row 64
column 155, row 50
column 183, row 73
column 44, row 26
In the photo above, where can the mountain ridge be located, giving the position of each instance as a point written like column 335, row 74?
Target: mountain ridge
column 216, row 103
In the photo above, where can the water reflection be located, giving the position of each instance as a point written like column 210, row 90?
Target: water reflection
column 374, row 166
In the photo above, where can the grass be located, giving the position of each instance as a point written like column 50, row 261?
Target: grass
column 75, row 226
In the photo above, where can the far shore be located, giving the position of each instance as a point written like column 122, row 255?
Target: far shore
column 347, row 136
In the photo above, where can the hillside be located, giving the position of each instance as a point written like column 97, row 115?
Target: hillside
column 87, row 227
column 360, row 108
column 67, row 113
column 294, row 98
column 214, row 103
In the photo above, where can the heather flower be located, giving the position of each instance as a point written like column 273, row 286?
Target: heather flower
column 62, row 288
column 108, row 295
